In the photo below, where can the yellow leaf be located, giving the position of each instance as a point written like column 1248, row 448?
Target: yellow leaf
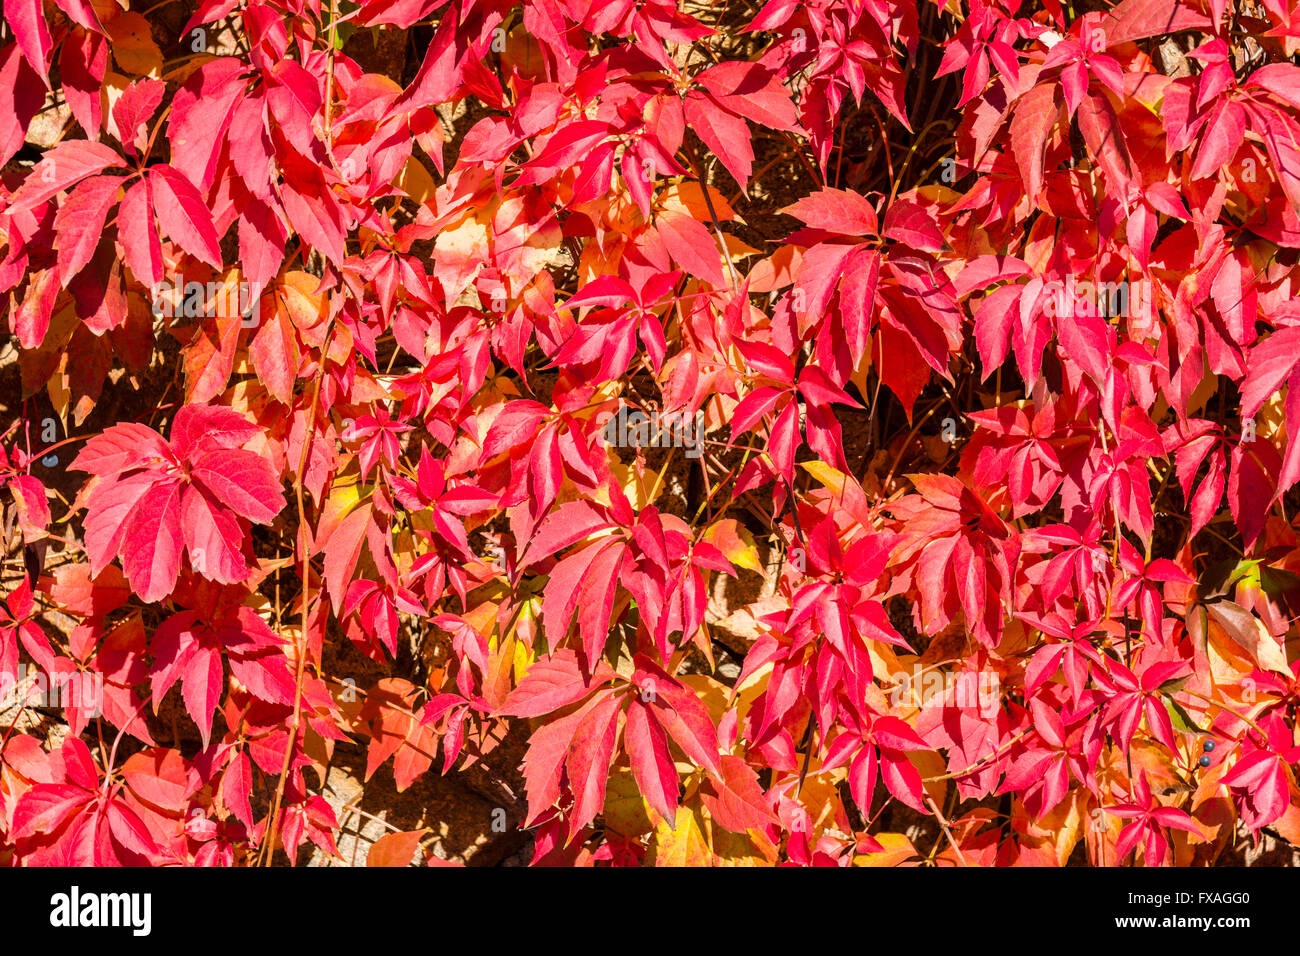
column 1058, row 831
column 182, row 71
column 859, row 375
column 737, row 248
column 885, row 661
column 1213, row 809
column 634, row 486
column 742, row 849
column 415, row 181
column 832, row 478
column 935, row 193
column 931, row 765
column 44, row 364
column 1231, row 622
column 844, row 487
column 682, row 844
column 524, row 655
column 500, row 667
column 1270, row 421
column 897, row 849
column 1207, row 387
column 625, row 810
column 819, row 794
column 60, row 394
column 689, row 198
column 735, row 543
column 132, row 45
column 298, row 295
column 712, row 693
column 113, row 86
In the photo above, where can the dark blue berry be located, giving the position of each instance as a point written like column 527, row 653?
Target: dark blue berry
column 1207, row 746
column 1204, row 761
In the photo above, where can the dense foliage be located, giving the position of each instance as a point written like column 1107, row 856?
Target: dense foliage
column 831, row 432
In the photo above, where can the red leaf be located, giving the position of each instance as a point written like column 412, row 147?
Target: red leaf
column 583, row 582
column 652, row 766
column 1271, row 363
column 551, row 683
column 199, row 428
column 21, row 97
column 908, row 223
column 740, row 803
column 275, row 355
column 692, row 246
column 183, row 215
column 138, row 235
column 567, row 524
column 159, row 776
column 1035, row 115
column 1252, row 483
column 682, row 714
column 589, row 758
column 200, row 117
column 212, row 537
column 123, row 446
column 836, row 210
column 79, row 224
column 151, row 549
column 27, row 21
column 32, row 318
column 725, row 134
column 1138, row 19
column 128, row 830
column 46, row 807
column 237, row 788
column 242, row 481
column 342, row 550
column 134, row 109
column 857, row 300
column 201, row 685
column 109, row 506
column 63, row 166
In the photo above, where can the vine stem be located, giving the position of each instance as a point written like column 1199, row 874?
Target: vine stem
column 983, row 761
column 354, row 808
column 309, row 425
column 947, row 831
column 717, row 226
column 1226, row 710
column 906, row 442
column 9, row 732
column 329, row 81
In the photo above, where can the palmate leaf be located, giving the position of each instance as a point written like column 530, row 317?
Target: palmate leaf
column 153, row 502
column 584, row 584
